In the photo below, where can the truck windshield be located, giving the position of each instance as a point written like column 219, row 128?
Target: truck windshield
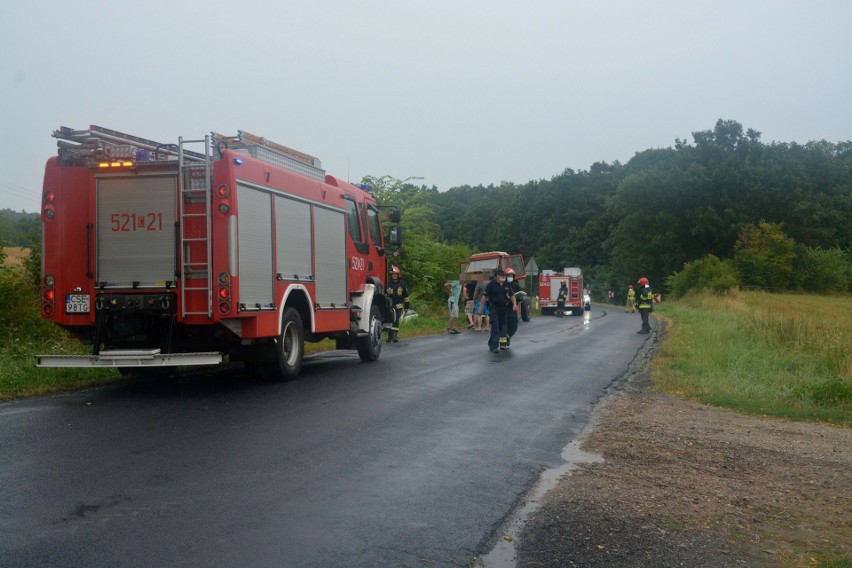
column 483, row 265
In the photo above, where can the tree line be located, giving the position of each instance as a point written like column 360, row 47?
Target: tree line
column 726, row 196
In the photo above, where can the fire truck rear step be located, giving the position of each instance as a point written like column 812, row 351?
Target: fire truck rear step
column 130, row 358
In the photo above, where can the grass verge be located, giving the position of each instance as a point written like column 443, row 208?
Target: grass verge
column 23, row 334
column 779, row 355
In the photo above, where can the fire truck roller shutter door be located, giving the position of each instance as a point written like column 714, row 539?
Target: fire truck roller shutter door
column 136, row 230
column 255, row 242
column 331, row 267
column 293, row 239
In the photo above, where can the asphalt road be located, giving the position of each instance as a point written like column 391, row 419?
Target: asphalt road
column 415, row 460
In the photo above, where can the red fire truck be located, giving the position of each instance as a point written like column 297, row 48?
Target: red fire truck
column 549, row 282
column 159, row 255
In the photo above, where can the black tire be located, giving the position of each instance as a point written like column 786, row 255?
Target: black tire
column 289, row 347
column 547, row 311
column 525, row 310
column 370, row 347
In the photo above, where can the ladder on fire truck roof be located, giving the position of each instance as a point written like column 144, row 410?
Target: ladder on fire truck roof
column 99, row 143
column 195, row 186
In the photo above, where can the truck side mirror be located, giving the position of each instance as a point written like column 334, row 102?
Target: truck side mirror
column 394, row 215
column 395, row 236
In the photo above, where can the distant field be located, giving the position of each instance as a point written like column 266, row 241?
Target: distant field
column 16, row 255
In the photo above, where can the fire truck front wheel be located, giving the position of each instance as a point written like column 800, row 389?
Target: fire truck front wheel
column 289, row 347
column 370, row 347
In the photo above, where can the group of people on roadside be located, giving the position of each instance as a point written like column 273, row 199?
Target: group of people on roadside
column 491, row 306
column 474, row 291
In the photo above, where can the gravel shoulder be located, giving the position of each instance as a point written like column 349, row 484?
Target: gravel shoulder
column 684, row 484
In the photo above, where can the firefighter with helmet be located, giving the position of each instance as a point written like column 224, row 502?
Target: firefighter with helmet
column 561, row 299
column 515, row 314
column 631, row 300
column 398, row 295
column 646, row 304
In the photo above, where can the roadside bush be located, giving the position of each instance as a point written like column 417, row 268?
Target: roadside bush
column 764, row 256
column 708, row 273
column 819, row 271
column 19, row 306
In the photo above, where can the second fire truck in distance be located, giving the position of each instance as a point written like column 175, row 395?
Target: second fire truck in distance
column 549, row 282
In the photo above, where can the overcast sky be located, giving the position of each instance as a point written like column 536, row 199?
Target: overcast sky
column 454, row 92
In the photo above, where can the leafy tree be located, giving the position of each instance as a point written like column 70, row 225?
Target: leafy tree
column 19, row 229
column 425, row 259
column 819, row 271
column 708, row 273
column 764, row 256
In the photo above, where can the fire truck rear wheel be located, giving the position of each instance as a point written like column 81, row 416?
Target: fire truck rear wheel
column 370, row 347
column 289, row 347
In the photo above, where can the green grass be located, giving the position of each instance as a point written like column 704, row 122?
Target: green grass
column 779, row 355
column 23, row 334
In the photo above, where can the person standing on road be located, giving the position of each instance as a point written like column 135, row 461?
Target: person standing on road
column 631, row 300
column 469, row 303
column 500, row 301
column 561, row 298
column 453, row 287
column 398, row 294
column 515, row 315
column 481, row 310
column 646, row 304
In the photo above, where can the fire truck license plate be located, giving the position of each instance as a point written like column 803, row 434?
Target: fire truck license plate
column 77, row 303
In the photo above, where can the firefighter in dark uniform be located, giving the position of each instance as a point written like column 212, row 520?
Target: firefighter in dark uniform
column 398, row 294
column 646, row 304
column 500, row 301
column 560, row 299
column 515, row 314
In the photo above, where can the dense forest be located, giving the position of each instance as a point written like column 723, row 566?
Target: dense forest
column 726, row 206
column 665, row 208
column 19, row 229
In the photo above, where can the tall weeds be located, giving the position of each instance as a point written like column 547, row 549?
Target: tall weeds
column 775, row 354
column 23, row 334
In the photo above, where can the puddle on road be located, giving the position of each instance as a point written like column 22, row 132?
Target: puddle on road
column 503, row 554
